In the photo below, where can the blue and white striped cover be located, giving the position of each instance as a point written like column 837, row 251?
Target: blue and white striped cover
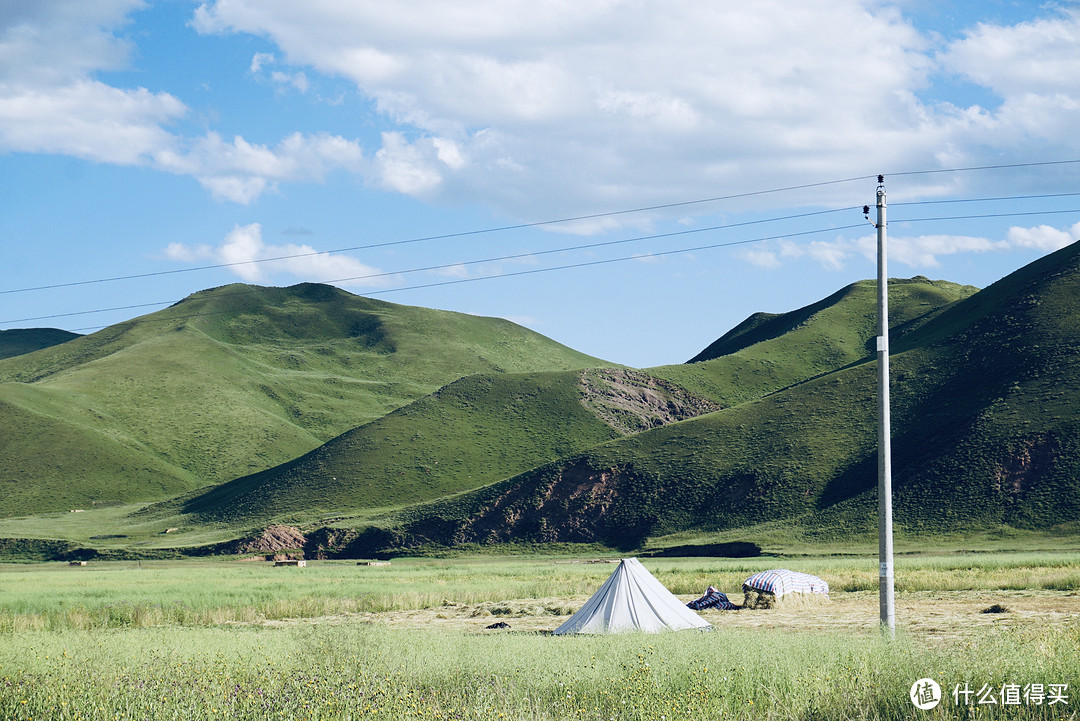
column 781, row 581
column 712, row 599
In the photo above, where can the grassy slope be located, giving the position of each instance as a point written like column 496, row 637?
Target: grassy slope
column 477, row 430
column 984, row 426
column 227, row 382
column 766, row 352
column 19, row 341
column 485, row 429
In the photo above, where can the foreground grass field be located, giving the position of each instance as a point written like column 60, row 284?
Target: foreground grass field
column 335, row 641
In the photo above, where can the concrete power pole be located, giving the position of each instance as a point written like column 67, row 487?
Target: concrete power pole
column 885, row 533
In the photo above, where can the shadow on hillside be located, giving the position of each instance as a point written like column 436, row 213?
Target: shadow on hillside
column 734, row 549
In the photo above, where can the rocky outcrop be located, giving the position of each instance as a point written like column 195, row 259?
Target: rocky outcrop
column 631, row 401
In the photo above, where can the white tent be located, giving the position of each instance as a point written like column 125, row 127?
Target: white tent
column 632, row 600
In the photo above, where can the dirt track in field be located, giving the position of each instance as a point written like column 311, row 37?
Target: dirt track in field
column 930, row 615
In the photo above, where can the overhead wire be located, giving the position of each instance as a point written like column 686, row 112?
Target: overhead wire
column 572, row 248
column 587, row 245
column 584, row 264
column 557, row 221
column 548, row 269
column 444, row 236
column 457, row 264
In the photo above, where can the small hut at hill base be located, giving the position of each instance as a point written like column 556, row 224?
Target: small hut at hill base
column 632, row 600
column 765, row 589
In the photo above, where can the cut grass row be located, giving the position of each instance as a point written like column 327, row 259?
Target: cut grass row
column 128, row 595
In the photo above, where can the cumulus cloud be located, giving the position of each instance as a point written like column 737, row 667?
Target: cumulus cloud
column 548, row 107
column 605, row 103
column 296, row 80
column 240, row 171
column 1039, row 57
column 51, row 103
column 1043, row 237
column 255, row 261
column 609, row 102
column 916, row 252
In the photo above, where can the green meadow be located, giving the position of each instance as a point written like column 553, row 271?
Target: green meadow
column 233, row 640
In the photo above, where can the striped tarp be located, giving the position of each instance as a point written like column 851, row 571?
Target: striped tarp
column 712, row 599
column 781, row 581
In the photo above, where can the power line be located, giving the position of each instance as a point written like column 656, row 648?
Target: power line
column 987, row 215
column 444, row 266
column 1041, row 196
column 585, row 246
column 589, row 245
column 1001, row 166
column 445, row 236
column 531, row 271
column 557, row 221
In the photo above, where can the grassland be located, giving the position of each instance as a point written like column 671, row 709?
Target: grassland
column 231, row 640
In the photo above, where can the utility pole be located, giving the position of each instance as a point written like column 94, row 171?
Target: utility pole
column 885, row 534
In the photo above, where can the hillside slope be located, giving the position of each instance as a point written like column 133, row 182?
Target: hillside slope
column 472, row 432
column 485, row 429
column 986, row 432
column 768, row 352
column 228, row 382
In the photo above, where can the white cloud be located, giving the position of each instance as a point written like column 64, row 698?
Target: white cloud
column 609, row 102
column 86, row 119
column 50, row 103
column 1043, row 237
column 296, row 80
column 240, row 171
column 549, row 107
column 917, row 252
column 760, row 258
column 254, row 261
column 1036, row 58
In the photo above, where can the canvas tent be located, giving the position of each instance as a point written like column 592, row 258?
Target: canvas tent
column 632, row 600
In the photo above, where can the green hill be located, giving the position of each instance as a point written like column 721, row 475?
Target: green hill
column 19, row 341
column 228, row 382
column 769, row 352
column 484, row 429
column 985, row 434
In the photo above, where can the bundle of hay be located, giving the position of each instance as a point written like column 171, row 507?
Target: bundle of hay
column 768, row 588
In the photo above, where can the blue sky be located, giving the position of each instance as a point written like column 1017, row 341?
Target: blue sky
column 152, row 137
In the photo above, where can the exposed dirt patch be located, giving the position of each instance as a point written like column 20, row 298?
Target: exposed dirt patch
column 272, row 539
column 631, row 401
column 1027, row 464
column 573, row 502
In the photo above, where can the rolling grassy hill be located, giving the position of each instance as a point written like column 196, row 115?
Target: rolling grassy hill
column 985, row 393
column 985, row 428
column 228, row 382
column 484, row 429
column 768, row 352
